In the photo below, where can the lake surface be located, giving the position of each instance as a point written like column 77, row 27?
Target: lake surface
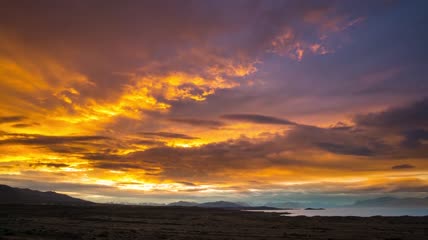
column 358, row 212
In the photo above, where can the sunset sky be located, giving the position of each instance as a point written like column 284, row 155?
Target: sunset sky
column 255, row 101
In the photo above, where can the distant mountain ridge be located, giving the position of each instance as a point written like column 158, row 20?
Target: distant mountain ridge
column 392, row 202
column 183, row 204
column 11, row 195
column 220, row 204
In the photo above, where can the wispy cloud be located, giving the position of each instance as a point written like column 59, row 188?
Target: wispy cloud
column 198, row 122
column 256, row 118
column 403, row 166
column 167, row 135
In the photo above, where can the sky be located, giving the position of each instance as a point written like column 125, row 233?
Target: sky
column 255, row 101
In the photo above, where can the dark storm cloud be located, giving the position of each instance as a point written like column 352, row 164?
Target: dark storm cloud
column 346, row 141
column 414, row 115
column 346, row 149
column 413, row 137
column 198, row 122
column 167, row 135
column 409, row 122
column 11, row 119
column 256, row 118
column 403, row 166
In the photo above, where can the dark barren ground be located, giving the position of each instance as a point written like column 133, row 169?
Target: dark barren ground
column 130, row 222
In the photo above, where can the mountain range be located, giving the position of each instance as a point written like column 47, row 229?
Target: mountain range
column 221, row 204
column 11, row 195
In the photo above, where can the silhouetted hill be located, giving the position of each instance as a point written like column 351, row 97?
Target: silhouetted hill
column 220, row 204
column 392, row 202
column 11, row 195
column 184, row 204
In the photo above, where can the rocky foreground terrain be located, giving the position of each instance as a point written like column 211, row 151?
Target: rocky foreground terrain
column 139, row 222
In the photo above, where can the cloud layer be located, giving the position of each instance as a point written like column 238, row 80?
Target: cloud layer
column 252, row 100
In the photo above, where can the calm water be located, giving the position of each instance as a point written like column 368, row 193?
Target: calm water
column 359, row 212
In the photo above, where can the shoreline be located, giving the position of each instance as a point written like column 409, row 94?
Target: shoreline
column 144, row 222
